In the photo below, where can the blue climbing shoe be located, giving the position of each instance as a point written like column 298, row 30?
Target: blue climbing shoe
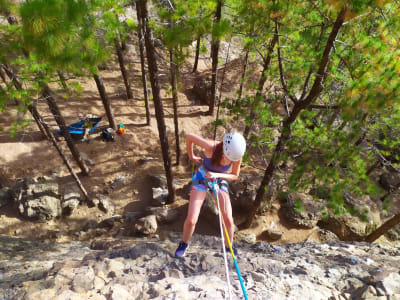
column 181, row 250
column 233, row 249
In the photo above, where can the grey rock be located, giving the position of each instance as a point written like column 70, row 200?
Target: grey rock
column 202, row 91
column 41, row 208
column 272, row 234
column 157, row 180
column 146, row 225
column 83, row 280
column 160, row 196
column 163, row 214
column 105, row 204
column 302, row 210
column 390, row 283
column 249, row 238
column 71, row 200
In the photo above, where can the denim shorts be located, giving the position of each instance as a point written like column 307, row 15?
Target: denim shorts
column 201, row 175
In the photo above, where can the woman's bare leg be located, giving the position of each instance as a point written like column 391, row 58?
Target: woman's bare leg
column 195, row 203
column 226, row 210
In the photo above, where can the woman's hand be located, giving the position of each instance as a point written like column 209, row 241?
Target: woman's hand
column 196, row 159
column 211, row 175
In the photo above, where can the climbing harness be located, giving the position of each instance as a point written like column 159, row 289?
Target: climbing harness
column 212, row 184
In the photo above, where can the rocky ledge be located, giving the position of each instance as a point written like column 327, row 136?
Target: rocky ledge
column 144, row 268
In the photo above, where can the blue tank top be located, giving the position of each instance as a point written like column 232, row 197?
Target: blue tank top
column 218, row 169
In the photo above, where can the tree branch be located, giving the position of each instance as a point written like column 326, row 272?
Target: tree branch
column 284, row 86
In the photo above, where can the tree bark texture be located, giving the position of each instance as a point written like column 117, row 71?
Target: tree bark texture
column 62, row 80
column 105, row 100
column 142, row 64
column 158, row 106
column 51, row 102
column 196, row 57
column 124, row 72
column 173, row 75
column 383, row 228
column 214, row 57
column 260, row 86
column 246, row 60
column 298, row 107
column 66, row 162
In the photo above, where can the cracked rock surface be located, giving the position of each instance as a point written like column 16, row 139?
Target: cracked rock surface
column 145, row 268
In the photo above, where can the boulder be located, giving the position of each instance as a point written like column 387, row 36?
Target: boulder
column 203, row 92
column 157, row 180
column 70, row 200
column 104, row 203
column 160, row 196
column 272, row 234
column 302, row 210
column 243, row 192
column 146, row 225
column 39, row 198
column 163, row 214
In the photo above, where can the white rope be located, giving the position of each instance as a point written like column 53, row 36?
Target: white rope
column 223, row 245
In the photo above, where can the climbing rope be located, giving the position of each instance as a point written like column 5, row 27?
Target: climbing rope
column 222, row 225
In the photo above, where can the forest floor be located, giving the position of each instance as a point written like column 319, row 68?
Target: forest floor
column 133, row 155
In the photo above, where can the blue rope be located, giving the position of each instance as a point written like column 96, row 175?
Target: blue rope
column 213, row 182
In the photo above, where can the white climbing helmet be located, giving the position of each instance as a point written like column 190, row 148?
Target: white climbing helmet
column 234, row 146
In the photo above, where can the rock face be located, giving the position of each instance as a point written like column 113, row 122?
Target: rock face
column 202, row 90
column 39, row 198
column 146, row 269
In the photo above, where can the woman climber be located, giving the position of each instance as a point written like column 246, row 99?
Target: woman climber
column 219, row 158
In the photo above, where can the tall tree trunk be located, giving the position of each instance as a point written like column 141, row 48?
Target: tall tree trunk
column 51, row 102
column 142, row 64
column 383, row 228
column 298, row 107
column 246, row 60
column 105, row 100
column 158, row 106
column 173, row 75
column 66, row 162
column 124, row 72
column 63, row 81
column 196, row 58
column 260, row 86
column 214, row 57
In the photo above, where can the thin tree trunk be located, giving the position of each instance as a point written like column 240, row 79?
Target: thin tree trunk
column 246, row 60
column 214, row 57
column 105, row 100
column 173, row 74
column 66, row 162
column 158, row 106
column 38, row 119
column 383, row 228
column 63, row 81
column 260, row 87
column 124, row 72
column 298, row 107
column 142, row 64
column 196, row 58
column 32, row 108
column 51, row 102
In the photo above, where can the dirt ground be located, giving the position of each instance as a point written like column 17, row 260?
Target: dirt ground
column 29, row 155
